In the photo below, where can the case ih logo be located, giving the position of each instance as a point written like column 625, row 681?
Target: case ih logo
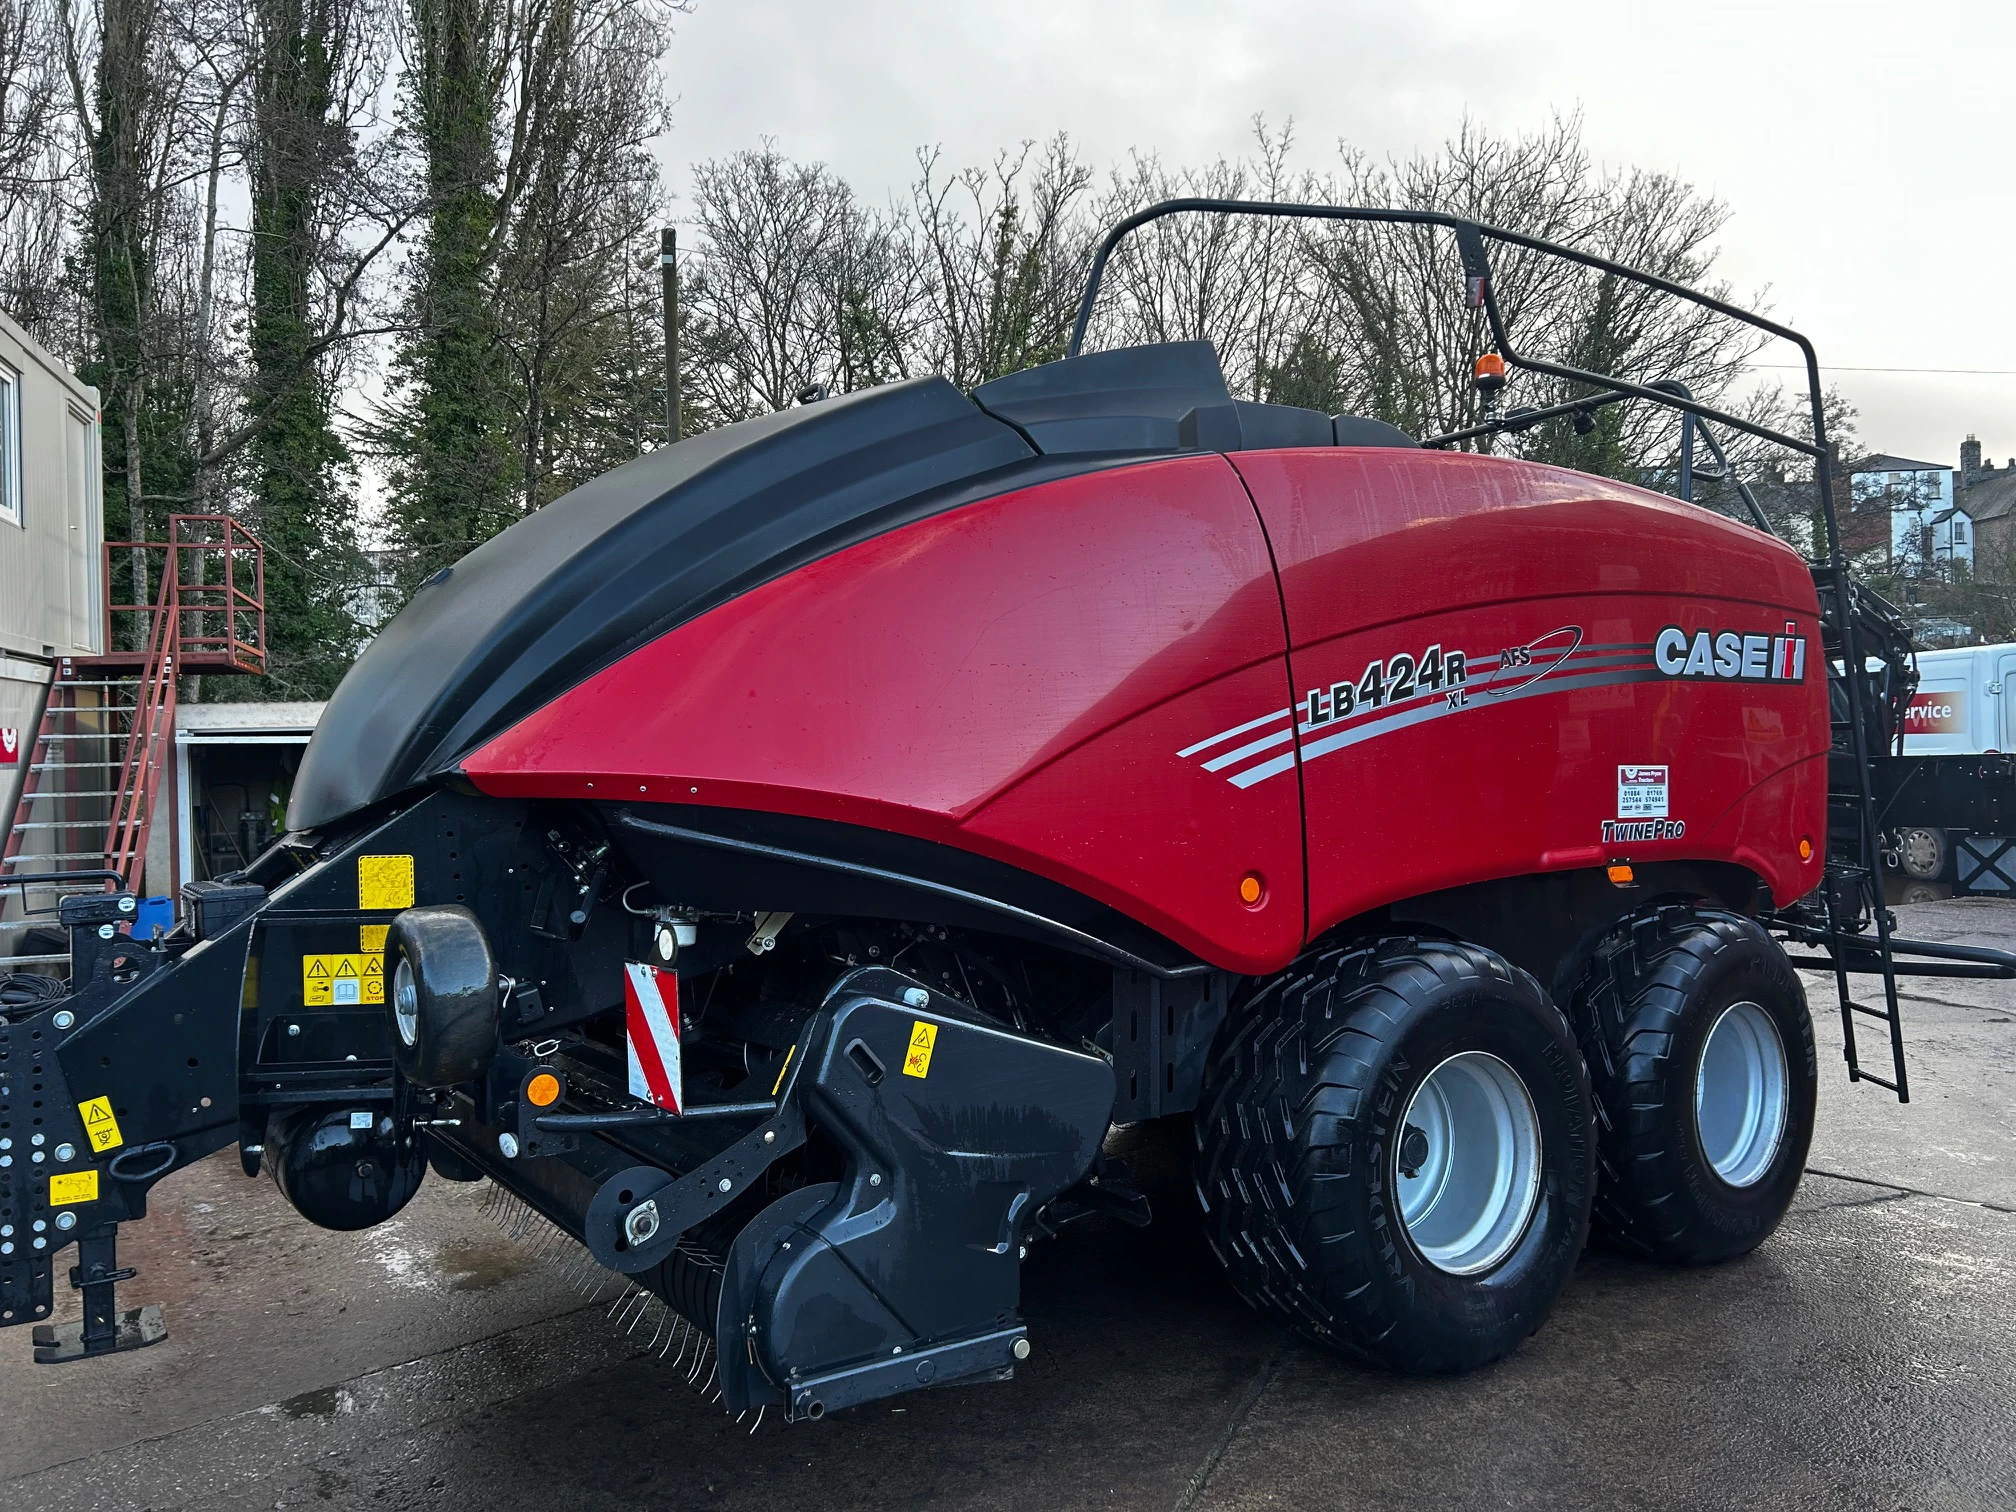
column 1731, row 655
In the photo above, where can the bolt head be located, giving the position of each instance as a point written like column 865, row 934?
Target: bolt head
column 769, row 1136
column 125, row 905
column 65, row 1018
column 293, row 1031
column 725, row 1185
column 874, row 1178
column 37, row 1139
column 66, row 1221
column 507, row 1146
column 916, row 997
column 107, row 931
column 1021, row 1350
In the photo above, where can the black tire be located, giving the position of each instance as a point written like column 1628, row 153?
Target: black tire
column 446, row 1164
column 1298, row 1150
column 441, row 995
column 1645, row 1006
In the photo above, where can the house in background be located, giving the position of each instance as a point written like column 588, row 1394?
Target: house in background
column 1987, row 495
column 1929, row 535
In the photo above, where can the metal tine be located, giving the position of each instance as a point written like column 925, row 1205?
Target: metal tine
column 759, row 1419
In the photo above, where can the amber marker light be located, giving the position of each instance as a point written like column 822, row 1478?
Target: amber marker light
column 1805, row 849
column 1621, row 875
column 543, row 1090
column 1251, row 889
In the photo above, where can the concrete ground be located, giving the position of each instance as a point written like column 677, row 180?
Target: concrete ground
column 1864, row 1357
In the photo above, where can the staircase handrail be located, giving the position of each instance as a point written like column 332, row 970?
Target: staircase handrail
column 153, row 716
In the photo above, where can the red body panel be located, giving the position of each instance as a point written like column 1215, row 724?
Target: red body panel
column 1012, row 677
column 1385, row 553
column 1091, row 679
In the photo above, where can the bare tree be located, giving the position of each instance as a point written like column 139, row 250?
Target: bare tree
column 1001, row 255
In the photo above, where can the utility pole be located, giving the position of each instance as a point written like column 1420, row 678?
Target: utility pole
column 668, row 269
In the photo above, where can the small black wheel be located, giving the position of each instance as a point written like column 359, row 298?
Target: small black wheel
column 443, row 995
column 445, row 1163
column 1700, row 1050
column 1922, row 853
column 1395, row 1153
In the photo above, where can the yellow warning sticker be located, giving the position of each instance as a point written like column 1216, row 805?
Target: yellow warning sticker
column 67, row 1188
column 342, row 981
column 100, row 1127
column 371, row 938
column 922, row 1037
column 384, row 881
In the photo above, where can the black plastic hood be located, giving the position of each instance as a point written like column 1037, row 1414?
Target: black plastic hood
column 628, row 556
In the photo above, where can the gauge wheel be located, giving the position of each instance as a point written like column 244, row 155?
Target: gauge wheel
column 441, row 995
column 1395, row 1154
column 1700, row 1050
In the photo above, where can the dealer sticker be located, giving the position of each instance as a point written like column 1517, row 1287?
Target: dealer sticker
column 1641, row 792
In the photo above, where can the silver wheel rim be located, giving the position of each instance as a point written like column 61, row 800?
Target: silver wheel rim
column 1467, row 1165
column 405, row 1003
column 1740, row 1094
column 1921, row 853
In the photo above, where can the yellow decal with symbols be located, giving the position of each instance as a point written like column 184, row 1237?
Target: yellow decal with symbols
column 68, row 1188
column 384, row 881
column 922, row 1037
column 100, row 1127
column 371, row 938
column 343, row 980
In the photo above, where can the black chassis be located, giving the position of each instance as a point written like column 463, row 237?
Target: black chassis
column 900, row 1271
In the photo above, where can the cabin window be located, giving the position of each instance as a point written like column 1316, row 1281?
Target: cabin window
column 10, row 444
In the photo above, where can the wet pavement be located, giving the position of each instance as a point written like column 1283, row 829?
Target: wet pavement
column 1864, row 1357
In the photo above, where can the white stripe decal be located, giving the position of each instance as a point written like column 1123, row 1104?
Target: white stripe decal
column 1251, row 724
column 1233, row 758
column 1371, row 728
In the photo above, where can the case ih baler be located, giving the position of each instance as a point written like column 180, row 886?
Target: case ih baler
column 781, row 862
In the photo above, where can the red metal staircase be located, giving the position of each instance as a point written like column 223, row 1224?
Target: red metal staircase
column 82, row 808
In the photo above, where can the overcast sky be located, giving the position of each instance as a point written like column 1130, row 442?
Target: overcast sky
column 1864, row 150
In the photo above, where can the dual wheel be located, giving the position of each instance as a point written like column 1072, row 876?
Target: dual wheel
column 1403, row 1145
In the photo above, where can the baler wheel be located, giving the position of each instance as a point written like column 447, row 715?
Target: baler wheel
column 1700, row 1050
column 1395, row 1153
column 442, row 995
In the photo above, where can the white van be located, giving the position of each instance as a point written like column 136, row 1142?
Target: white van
column 1960, row 709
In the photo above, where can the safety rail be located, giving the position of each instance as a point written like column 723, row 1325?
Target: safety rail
column 218, row 569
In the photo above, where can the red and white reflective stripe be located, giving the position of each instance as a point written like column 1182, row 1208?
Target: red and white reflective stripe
column 651, row 1019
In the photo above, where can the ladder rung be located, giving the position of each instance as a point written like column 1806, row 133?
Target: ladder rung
column 36, row 960
column 58, row 856
column 1880, row 1016
column 53, row 824
column 1861, row 1075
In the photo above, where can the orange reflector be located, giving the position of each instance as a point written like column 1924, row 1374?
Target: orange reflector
column 1805, row 849
column 1621, row 875
column 1490, row 365
column 543, row 1090
column 1249, row 888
